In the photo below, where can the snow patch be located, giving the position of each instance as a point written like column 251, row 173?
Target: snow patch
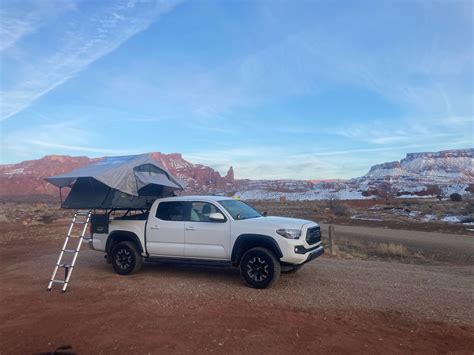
column 429, row 218
column 365, row 218
column 415, row 196
column 15, row 171
column 451, row 219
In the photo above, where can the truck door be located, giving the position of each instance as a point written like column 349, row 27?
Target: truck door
column 165, row 230
column 205, row 238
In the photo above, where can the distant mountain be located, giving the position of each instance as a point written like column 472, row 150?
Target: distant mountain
column 418, row 175
column 421, row 174
column 26, row 178
column 443, row 167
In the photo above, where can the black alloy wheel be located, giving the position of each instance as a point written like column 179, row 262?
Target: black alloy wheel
column 125, row 258
column 259, row 267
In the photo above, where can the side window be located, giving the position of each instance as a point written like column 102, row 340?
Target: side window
column 200, row 211
column 171, row 211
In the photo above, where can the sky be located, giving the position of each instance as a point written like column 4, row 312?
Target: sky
column 278, row 89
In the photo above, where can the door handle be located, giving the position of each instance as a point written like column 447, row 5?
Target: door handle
column 191, row 228
column 154, row 227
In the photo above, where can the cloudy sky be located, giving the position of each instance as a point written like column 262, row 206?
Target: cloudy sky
column 278, row 89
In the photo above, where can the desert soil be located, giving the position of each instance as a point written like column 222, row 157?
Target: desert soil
column 331, row 305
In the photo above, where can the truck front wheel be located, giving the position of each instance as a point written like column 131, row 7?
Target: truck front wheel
column 259, row 268
column 125, row 258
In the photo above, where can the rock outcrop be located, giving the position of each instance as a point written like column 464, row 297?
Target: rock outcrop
column 26, row 178
column 417, row 175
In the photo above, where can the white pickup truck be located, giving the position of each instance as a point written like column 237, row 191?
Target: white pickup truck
column 208, row 229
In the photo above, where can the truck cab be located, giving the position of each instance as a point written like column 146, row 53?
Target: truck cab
column 211, row 230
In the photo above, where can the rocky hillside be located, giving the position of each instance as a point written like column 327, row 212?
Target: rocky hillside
column 421, row 174
column 418, row 175
column 26, row 178
column 443, row 167
column 436, row 174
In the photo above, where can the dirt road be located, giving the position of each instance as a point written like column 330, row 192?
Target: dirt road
column 430, row 247
column 331, row 304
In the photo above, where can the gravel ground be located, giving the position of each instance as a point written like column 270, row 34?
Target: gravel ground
column 331, row 304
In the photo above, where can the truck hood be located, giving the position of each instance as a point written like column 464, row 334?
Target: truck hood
column 277, row 222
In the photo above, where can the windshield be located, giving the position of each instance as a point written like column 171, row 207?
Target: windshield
column 239, row 210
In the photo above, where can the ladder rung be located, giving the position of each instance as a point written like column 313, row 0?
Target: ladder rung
column 80, row 217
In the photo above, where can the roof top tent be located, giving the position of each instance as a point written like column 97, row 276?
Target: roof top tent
column 128, row 183
column 117, row 183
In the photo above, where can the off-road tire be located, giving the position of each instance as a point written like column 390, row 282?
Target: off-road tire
column 259, row 268
column 125, row 258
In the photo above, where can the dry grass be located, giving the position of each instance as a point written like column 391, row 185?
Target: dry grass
column 392, row 250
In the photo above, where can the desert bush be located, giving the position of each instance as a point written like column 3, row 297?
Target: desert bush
column 455, row 197
column 339, row 209
column 46, row 218
column 469, row 209
column 392, row 250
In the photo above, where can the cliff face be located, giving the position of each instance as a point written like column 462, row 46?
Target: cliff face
column 26, row 178
column 421, row 174
column 418, row 174
column 440, row 167
column 380, row 170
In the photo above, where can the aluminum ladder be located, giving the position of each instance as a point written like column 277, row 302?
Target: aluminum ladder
column 81, row 219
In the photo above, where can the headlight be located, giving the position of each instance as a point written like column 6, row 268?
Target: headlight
column 289, row 233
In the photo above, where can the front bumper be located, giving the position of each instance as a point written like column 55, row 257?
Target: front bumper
column 314, row 254
column 297, row 254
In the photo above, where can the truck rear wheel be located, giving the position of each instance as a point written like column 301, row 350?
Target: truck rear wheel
column 125, row 258
column 259, row 268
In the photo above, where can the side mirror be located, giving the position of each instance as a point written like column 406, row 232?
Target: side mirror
column 216, row 217
column 264, row 213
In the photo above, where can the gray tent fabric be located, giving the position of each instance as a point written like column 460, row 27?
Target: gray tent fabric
column 124, row 182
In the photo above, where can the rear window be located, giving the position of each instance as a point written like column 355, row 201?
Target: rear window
column 171, row 211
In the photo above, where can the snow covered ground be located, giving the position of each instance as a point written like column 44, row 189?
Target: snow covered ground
column 451, row 219
column 315, row 194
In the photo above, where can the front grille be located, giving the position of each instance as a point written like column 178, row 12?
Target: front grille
column 313, row 235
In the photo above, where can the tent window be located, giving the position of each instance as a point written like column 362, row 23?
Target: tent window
column 171, row 211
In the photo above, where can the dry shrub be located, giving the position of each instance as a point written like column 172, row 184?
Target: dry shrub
column 339, row 208
column 392, row 249
column 46, row 218
column 469, row 208
column 455, row 197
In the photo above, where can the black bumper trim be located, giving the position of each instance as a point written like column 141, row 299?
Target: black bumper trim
column 313, row 255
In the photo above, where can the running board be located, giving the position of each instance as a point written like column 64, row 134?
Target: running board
column 190, row 262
